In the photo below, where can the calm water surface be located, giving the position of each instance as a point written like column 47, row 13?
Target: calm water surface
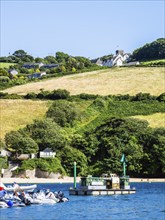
column 147, row 203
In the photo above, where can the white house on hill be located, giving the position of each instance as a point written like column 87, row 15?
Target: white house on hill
column 118, row 59
column 37, row 75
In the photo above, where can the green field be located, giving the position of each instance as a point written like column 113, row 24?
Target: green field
column 6, row 65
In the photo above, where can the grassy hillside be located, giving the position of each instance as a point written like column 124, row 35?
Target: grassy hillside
column 16, row 114
column 6, row 65
column 131, row 80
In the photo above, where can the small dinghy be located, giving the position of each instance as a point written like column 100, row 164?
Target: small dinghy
column 25, row 188
column 3, row 204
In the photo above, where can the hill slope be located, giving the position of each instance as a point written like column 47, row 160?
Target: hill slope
column 110, row 81
column 17, row 114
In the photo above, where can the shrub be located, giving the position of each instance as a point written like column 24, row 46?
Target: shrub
column 30, row 95
column 4, row 79
column 59, row 94
column 43, row 94
column 62, row 112
column 143, row 97
column 3, row 94
column 13, row 96
column 68, row 156
column 161, row 97
column 87, row 96
column 10, row 96
column 45, row 164
column 46, row 133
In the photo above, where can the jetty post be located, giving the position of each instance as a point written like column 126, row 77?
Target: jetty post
column 75, row 175
column 124, row 179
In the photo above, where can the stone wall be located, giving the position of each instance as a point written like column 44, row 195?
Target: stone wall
column 36, row 173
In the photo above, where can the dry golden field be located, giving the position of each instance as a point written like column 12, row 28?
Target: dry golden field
column 115, row 81
column 16, row 114
column 155, row 121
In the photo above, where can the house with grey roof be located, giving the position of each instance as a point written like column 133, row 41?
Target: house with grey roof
column 36, row 75
column 49, row 66
column 118, row 59
column 32, row 65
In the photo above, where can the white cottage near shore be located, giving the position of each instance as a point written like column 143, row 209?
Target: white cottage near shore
column 47, row 153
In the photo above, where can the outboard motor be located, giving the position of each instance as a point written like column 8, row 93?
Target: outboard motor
column 61, row 197
column 25, row 200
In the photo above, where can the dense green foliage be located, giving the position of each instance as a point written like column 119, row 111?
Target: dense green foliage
column 46, row 133
column 99, row 135
column 3, row 160
column 53, row 95
column 153, row 63
column 62, row 112
column 20, row 143
column 45, row 164
column 3, row 163
column 2, row 144
column 151, row 51
column 68, row 155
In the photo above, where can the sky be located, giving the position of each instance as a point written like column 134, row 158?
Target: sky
column 79, row 28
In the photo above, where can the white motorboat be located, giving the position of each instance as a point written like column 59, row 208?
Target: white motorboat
column 11, row 203
column 11, row 188
column 41, row 198
column 3, row 204
column 25, row 188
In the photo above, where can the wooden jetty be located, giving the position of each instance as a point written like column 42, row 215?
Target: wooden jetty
column 105, row 185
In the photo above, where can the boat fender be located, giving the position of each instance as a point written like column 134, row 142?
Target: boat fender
column 10, row 203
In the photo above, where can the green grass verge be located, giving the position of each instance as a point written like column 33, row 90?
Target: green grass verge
column 6, row 65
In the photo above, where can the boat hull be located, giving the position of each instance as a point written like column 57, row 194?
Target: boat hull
column 25, row 188
column 102, row 192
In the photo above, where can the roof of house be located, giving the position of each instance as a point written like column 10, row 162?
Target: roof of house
column 47, row 150
column 99, row 61
column 50, row 65
column 13, row 70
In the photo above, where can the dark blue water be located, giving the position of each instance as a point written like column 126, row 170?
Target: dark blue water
column 147, row 203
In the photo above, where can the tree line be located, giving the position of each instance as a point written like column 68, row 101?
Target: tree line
column 66, row 64
column 150, row 51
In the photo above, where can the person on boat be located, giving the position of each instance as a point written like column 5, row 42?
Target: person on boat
column 61, row 197
column 16, row 196
column 18, row 191
column 20, row 197
column 49, row 194
column 16, row 187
